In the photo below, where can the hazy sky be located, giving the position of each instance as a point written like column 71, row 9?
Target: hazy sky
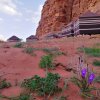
column 19, row 17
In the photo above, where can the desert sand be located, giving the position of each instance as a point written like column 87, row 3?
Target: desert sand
column 15, row 65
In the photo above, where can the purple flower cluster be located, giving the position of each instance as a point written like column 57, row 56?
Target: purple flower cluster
column 91, row 76
column 83, row 73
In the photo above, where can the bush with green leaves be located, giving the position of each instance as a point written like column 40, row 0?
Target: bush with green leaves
column 97, row 45
column 61, row 98
column 4, row 84
column 53, row 51
column 29, row 50
column 95, row 52
column 43, row 86
column 96, row 63
column 84, row 80
column 47, row 62
column 21, row 97
column 50, row 50
column 18, row 45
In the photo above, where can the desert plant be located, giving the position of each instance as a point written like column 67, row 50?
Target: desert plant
column 63, row 98
column 4, row 97
column 18, row 45
column 84, row 81
column 49, row 50
column 97, row 44
column 29, row 50
column 21, row 97
column 4, row 84
column 53, row 51
column 96, row 63
column 58, row 53
column 91, row 51
column 47, row 62
column 43, row 86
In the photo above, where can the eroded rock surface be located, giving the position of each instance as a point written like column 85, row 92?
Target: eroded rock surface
column 58, row 13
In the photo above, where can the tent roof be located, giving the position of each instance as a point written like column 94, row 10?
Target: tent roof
column 32, row 37
column 14, row 38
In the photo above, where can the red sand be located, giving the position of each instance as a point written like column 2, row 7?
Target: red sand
column 17, row 65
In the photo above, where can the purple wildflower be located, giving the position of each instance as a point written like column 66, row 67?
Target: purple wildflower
column 91, row 78
column 83, row 72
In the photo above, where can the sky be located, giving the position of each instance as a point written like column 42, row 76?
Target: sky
column 19, row 17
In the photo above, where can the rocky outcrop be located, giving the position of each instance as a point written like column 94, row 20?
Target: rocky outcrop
column 58, row 13
column 81, row 6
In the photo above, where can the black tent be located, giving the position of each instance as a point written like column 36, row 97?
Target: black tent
column 68, row 30
column 32, row 38
column 87, row 23
column 14, row 39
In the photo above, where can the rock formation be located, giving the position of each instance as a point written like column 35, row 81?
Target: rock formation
column 58, row 13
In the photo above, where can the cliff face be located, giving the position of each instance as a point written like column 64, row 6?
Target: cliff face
column 58, row 13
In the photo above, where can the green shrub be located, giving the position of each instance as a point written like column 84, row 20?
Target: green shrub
column 18, row 45
column 91, row 51
column 43, row 86
column 97, row 44
column 59, row 53
column 50, row 50
column 53, row 51
column 47, row 62
column 23, row 97
column 4, row 84
column 30, row 51
column 96, row 63
column 63, row 98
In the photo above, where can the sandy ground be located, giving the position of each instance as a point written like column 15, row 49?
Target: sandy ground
column 15, row 65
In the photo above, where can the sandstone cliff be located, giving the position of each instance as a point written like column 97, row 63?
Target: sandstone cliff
column 58, row 13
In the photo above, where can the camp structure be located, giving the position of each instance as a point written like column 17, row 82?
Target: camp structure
column 32, row 38
column 68, row 30
column 88, row 23
column 52, row 36
column 14, row 39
